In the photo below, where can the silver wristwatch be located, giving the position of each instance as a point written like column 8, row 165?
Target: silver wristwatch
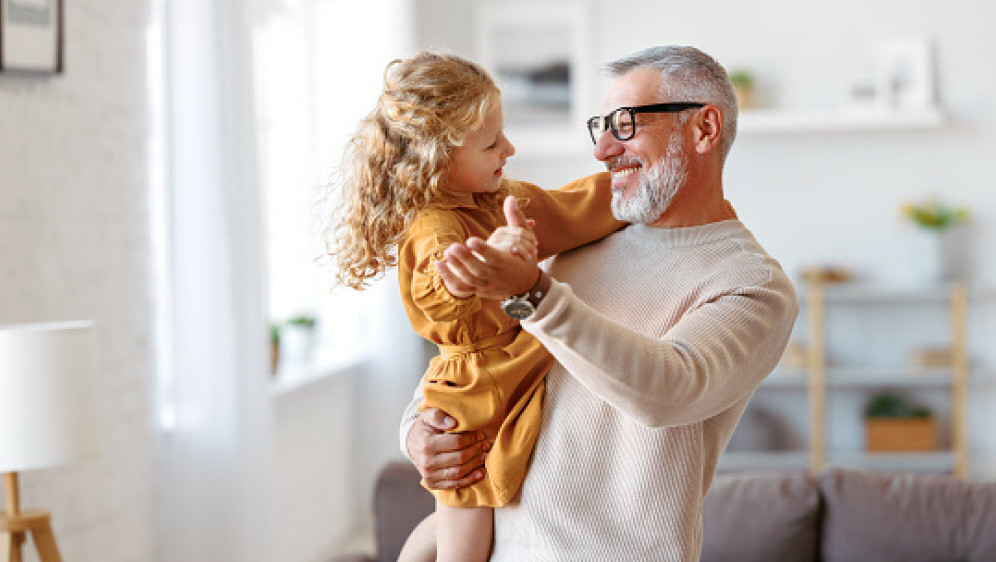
column 524, row 305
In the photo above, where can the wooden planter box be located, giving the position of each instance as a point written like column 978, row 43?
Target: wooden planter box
column 900, row 434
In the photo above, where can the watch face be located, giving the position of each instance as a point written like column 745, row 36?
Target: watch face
column 520, row 309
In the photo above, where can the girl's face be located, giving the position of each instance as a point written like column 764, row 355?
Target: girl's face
column 475, row 166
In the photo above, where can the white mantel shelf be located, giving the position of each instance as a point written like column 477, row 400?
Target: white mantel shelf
column 763, row 121
column 572, row 141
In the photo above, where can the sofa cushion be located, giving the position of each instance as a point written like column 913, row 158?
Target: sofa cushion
column 760, row 517
column 889, row 516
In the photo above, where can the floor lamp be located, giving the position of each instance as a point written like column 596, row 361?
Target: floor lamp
column 47, row 416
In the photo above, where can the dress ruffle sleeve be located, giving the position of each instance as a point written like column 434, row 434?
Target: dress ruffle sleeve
column 429, row 237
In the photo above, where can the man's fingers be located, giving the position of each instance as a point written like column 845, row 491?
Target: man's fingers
column 440, row 483
column 437, row 419
column 466, row 445
column 449, row 456
column 457, row 469
column 461, row 465
column 513, row 214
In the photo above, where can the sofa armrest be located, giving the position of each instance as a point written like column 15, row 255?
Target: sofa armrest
column 400, row 504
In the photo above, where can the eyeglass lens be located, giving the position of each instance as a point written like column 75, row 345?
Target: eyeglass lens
column 622, row 122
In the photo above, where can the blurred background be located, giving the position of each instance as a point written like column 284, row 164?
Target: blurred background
column 168, row 184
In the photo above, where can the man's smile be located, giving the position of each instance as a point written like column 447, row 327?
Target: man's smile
column 623, row 172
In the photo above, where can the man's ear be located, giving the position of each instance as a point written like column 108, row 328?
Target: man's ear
column 707, row 127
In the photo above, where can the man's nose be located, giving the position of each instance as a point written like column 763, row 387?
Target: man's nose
column 608, row 146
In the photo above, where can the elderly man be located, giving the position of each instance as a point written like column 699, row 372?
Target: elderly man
column 661, row 332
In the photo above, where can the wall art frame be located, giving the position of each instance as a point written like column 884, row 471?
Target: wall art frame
column 32, row 37
column 540, row 55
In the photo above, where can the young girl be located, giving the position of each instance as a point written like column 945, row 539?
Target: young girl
column 424, row 170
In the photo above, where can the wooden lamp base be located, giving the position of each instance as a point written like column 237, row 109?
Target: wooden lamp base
column 16, row 525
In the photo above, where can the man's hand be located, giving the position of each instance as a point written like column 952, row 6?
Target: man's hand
column 488, row 271
column 446, row 461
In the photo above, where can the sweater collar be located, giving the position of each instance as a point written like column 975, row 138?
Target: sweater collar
column 685, row 236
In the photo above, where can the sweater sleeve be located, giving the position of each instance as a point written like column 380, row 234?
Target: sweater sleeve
column 711, row 358
column 572, row 215
column 408, row 419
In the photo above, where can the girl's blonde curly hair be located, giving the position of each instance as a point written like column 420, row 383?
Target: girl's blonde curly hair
column 395, row 165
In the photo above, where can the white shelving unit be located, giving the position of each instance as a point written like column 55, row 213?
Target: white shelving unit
column 818, row 380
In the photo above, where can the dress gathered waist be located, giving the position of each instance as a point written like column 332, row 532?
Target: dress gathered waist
column 447, row 351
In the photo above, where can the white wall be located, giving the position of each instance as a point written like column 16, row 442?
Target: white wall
column 314, row 455
column 75, row 244
column 818, row 198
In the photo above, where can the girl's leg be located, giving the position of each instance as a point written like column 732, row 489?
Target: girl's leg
column 421, row 544
column 463, row 533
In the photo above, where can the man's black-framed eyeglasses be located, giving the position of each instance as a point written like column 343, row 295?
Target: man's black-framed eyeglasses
column 622, row 121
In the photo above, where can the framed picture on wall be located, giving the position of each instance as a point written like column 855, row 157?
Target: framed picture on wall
column 906, row 74
column 538, row 53
column 31, row 36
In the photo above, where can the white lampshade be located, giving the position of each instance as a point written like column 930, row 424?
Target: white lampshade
column 47, row 394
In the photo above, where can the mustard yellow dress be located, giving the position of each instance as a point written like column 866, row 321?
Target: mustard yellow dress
column 489, row 374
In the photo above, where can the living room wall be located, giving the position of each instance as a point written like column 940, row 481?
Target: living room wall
column 75, row 244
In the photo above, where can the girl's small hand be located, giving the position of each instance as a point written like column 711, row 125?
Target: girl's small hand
column 454, row 285
column 516, row 241
column 490, row 272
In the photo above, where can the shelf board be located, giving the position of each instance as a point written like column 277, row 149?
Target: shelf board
column 732, row 461
column 786, row 378
column 939, row 461
column 888, row 376
column 735, row 461
column 863, row 377
column 760, row 121
column 290, row 379
column 539, row 144
column 869, row 293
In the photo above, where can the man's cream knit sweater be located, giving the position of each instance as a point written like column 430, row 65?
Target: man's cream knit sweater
column 661, row 337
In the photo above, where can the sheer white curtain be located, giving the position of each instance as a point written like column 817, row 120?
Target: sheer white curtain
column 215, row 456
column 217, row 493
column 354, row 41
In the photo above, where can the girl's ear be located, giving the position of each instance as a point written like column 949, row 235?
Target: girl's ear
column 707, row 125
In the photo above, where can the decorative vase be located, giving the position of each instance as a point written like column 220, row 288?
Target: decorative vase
column 930, row 256
column 745, row 95
column 296, row 345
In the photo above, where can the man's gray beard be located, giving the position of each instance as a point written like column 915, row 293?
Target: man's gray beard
column 657, row 188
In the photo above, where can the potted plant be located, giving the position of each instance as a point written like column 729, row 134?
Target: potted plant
column 934, row 215
column 894, row 424
column 743, row 86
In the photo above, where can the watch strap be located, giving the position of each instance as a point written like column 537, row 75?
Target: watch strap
column 539, row 289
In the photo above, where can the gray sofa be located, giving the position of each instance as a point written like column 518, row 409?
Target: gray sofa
column 839, row 515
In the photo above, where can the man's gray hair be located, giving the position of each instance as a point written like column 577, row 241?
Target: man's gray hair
column 688, row 74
